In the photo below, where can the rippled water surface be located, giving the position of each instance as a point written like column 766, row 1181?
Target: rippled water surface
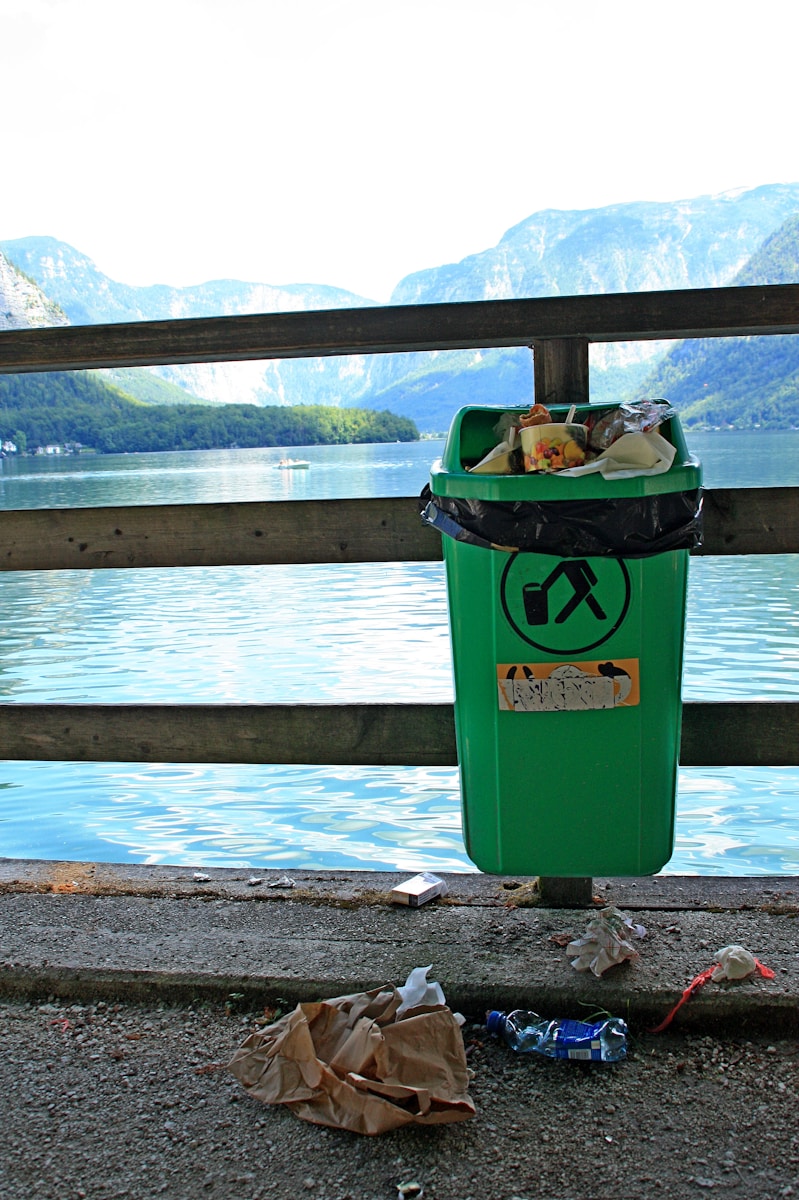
column 363, row 632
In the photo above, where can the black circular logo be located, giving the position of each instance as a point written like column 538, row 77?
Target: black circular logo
column 565, row 605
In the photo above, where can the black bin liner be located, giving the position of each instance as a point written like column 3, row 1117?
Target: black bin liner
column 619, row 527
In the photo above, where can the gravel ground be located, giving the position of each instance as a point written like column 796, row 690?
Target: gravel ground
column 106, row 1101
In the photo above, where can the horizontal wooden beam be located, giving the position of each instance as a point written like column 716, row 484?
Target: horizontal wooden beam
column 204, row 535
column 751, row 521
column 330, row 734
column 740, row 521
column 739, row 733
column 637, row 316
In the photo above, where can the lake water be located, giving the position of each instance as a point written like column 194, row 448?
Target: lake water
column 220, row 635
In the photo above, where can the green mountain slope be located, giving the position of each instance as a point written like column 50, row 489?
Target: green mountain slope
column 90, row 297
column 692, row 243
column 143, row 384
column 83, row 407
column 740, row 382
column 24, row 305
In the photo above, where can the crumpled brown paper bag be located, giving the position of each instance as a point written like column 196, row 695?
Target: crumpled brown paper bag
column 350, row 1062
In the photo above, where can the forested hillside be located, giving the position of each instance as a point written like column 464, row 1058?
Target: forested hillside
column 94, row 409
column 57, row 408
column 740, row 382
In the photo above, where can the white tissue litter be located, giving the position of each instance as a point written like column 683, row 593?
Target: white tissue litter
column 605, row 942
column 416, row 990
column 734, row 963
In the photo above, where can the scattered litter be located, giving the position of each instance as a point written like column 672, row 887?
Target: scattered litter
column 417, row 991
column 527, row 1032
column 605, row 942
column 200, row 878
column 524, row 895
column 561, row 939
column 409, row 1191
column 285, row 882
column 254, row 881
column 354, row 1062
column 271, row 1014
column 734, row 962
column 418, row 890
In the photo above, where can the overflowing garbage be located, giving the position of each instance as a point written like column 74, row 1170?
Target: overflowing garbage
column 619, row 443
column 501, row 482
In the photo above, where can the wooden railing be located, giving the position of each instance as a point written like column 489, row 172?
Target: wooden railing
column 748, row 521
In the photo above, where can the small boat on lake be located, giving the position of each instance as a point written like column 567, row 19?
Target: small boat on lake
column 293, row 464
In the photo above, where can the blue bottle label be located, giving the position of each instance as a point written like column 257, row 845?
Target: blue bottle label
column 576, row 1040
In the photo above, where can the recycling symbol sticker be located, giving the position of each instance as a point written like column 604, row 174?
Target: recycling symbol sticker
column 565, row 606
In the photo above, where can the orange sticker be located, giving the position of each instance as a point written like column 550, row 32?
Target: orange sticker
column 568, row 687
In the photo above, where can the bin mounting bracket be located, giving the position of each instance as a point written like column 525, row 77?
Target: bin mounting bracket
column 568, row 892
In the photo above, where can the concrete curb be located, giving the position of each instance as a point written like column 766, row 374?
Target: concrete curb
column 87, row 931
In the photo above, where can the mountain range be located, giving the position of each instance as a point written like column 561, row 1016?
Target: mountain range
column 746, row 236
column 740, row 381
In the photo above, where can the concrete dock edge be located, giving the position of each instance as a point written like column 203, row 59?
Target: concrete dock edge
column 181, row 935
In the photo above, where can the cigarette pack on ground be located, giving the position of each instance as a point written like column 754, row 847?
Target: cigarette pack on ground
column 418, row 890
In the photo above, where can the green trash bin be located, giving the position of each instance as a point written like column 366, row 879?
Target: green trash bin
column 567, row 612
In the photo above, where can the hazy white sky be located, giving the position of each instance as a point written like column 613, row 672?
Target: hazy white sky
column 351, row 142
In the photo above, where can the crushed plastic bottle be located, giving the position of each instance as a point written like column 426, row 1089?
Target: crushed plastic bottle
column 605, row 1041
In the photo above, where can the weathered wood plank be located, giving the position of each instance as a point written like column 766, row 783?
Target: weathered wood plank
column 351, row 734
column 751, row 521
column 279, row 532
column 702, row 312
column 746, row 521
column 738, row 733
column 560, row 367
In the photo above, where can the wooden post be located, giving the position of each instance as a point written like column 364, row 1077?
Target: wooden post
column 560, row 368
column 560, row 371
column 565, row 893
